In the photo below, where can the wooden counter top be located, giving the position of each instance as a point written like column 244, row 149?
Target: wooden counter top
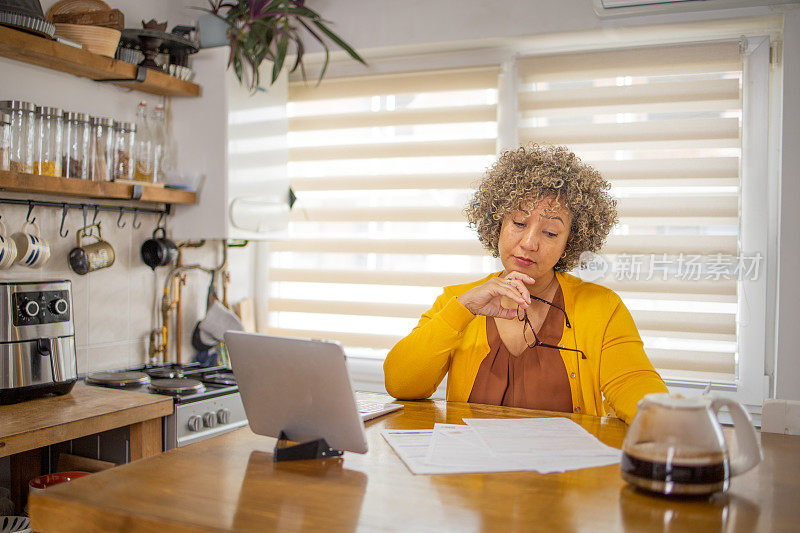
column 230, row 483
column 86, row 410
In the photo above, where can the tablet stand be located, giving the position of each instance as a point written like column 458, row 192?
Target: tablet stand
column 313, row 449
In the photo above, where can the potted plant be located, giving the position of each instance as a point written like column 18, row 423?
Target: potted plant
column 260, row 30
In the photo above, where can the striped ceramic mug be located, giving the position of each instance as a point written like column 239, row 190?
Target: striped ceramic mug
column 8, row 249
column 32, row 250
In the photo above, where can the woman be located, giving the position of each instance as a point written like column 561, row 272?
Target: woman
column 532, row 335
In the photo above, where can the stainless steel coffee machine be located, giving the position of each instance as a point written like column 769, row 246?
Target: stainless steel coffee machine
column 37, row 340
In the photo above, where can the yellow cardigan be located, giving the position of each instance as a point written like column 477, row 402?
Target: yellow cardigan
column 449, row 338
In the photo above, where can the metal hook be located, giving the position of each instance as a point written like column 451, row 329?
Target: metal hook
column 121, row 224
column 84, row 208
column 61, row 230
column 96, row 212
column 135, row 216
column 30, row 210
column 160, row 218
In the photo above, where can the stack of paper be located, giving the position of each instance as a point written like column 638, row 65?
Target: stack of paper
column 500, row 445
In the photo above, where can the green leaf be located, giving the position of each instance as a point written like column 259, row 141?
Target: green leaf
column 280, row 57
column 343, row 45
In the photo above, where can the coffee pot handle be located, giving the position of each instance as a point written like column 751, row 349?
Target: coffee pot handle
column 748, row 449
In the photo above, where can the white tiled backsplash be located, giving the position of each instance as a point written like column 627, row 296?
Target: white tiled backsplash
column 113, row 307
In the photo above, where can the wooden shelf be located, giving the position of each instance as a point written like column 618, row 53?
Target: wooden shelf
column 109, row 190
column 43, row 52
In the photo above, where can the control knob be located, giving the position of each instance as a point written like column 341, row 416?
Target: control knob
column 58, row 306
column 30, row 308
column 195, row 423
column 224, row 416
column 210, row 419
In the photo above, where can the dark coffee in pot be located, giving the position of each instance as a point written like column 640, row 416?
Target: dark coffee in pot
column 657, row 468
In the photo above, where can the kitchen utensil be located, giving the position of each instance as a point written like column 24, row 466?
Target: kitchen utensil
column 159, row 250
column 102, row 141
column 25, row 15
column 40, row 483
column 49, row 130
column 32, row 250
column 6, row 505
column 15, row 524
column 218, row 320
column 66, row 7
column 151, row 42
column 37, row 340
column 129, row 55
column 8, row 249
column 96, row 39
column 23, row 133
column 675, row 445
column 5, row 141
column 199, row 342
column 87, row 258
column 180, row 72
column 108, row 18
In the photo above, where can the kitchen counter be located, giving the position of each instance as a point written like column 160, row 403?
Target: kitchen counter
column 230, row 483
column 28, row 426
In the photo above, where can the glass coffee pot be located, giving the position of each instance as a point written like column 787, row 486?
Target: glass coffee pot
column 675, row 445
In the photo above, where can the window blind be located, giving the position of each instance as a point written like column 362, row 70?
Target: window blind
column 382, row 167
column 663, row 125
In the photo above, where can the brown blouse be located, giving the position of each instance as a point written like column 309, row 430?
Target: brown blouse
column 536, row 379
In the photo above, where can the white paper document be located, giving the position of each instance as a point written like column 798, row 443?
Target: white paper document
column 544, row 445
column 538, row 436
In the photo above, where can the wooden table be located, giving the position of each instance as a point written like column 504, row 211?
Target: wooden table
column 231, row 483
column 28, row 426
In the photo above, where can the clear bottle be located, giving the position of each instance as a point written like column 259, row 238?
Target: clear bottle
column 22, row 134
column 158, row 129
column 47, row 161
column 5, row 140
column 102, row 148
column 124, row 143
column 77, row 154
column 143, row 148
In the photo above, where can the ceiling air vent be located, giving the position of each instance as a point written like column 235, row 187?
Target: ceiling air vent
column 622, row 8
column 613, row 4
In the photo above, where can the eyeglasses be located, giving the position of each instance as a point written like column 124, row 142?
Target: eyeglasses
column 522, row 316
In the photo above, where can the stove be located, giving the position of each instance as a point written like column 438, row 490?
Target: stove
column 207, row 400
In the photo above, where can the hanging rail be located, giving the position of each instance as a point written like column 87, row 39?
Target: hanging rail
column 97, row 207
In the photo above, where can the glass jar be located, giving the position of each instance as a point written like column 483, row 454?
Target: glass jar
column 76, row 158
column 143, row 152
column 124, row 141
column 102, row 148
column 47, row 161
column 5, row 140
column 22, row 134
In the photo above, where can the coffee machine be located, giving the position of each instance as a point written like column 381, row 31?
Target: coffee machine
column 37, row 340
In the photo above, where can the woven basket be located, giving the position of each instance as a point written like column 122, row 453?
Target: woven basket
column 95, row 39
column 75, row 6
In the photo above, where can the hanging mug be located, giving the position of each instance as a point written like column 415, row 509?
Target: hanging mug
column 87, row 258
column 8, row 249
column 32, row 250
column 159, row 251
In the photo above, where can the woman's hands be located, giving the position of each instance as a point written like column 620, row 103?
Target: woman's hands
column 499, row 297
